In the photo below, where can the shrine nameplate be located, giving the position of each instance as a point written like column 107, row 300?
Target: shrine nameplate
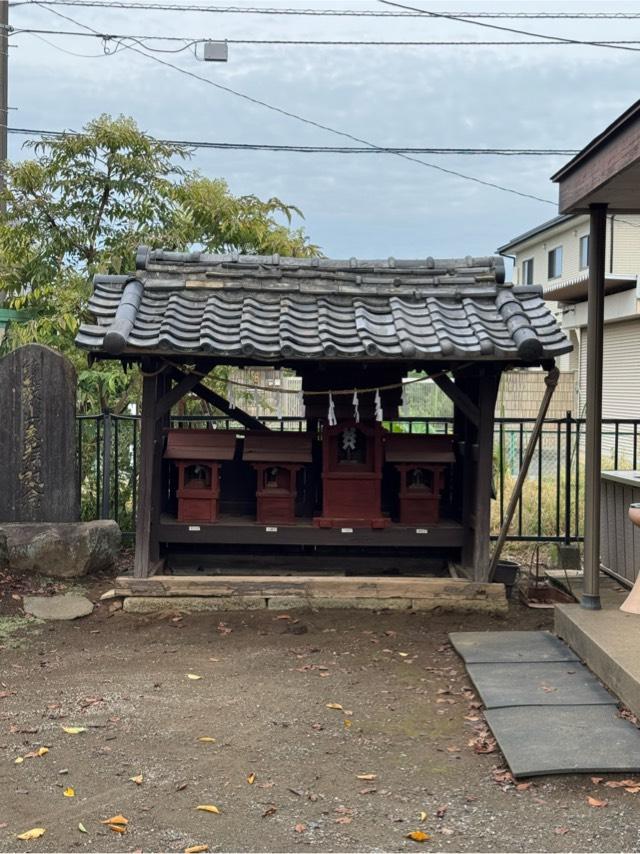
column 38, row 464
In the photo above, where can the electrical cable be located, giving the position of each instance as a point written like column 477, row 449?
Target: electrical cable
column 190, row 41
column 325, row 149
column 289, row 114
column 448, row 17
column 358, row 13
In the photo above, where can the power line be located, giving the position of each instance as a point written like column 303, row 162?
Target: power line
column 191, row 41
column 280, row 111
column 323, row 149
column 449, row 17
column 358, row 13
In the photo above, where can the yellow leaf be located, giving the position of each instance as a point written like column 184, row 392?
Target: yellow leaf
column 117, row 819
column 251, row 779
column 82, row 828
column 41, row 751
column 35, row 833
column 347, row 723
column 69, row 792
column 403, row 654
column 418, row 836
column 19, row 760
column 137, row 779
column 74, row 730
column 193, row 676
column 335, row 706
column 366, row 776
column 207, row 739
column 423, row 816
column 196, row 849
column 117, row 828
column 208, row 808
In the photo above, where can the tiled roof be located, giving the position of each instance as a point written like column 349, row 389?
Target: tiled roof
column 278, row 309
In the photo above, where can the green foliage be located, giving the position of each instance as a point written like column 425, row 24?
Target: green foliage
column 83, row 205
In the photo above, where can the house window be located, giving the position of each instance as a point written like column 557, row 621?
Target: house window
column 554, row 266
column 584, row 252
column 527, row 272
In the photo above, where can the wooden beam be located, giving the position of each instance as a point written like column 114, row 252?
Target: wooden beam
column 220, row 403
column 184, row 386
column 455, row 393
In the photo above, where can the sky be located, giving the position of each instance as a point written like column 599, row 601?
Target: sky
column 367, row 206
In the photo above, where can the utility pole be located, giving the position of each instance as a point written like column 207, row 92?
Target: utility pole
column 4, row 73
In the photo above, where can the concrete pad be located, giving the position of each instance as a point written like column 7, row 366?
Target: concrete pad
column 538, row 684
column 478, row 647
column 192, row 604
column 609, row 642
column 66, row 607
column 539, row 740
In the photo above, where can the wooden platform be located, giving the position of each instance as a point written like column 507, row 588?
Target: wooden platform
column 243, row 529
column 285, row 592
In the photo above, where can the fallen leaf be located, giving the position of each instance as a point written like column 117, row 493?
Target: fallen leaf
column 82, row 828
column 69, row 792
column 345, row 819
column 34, row 833
column 370, row 791
column 117, row 828
column 206, row 739
column 208, row 808
column 74, row 730
column 137, row 779
column 621, row 784
column 193, row 676
column 336, row 706
column 597, row 780
column 181, row 786
column 418, row 836
column 423, row 816
column 633, row 790
column 441, row 812
column 251, row 779
column 196, row 849
column 116, row 819
column 403, row 654
column 366, row 776
column 594, row 802
column 19, row 760
column 561, row 830
column 269, row 811
column 300, row 828
column 347, row 723
column 522, row 787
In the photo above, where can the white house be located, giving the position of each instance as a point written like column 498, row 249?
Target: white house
column 555, row 255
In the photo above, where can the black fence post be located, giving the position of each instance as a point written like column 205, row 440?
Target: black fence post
column 567, row 480
column 106, row 465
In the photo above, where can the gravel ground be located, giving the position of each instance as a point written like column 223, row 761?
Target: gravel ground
column 326, row 779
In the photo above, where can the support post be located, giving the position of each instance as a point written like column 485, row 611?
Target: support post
column 487, row 394
column 148, row 490
column 106, row 465
column 593, row 442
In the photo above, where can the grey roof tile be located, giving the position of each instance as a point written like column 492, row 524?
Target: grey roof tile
column 273, row 308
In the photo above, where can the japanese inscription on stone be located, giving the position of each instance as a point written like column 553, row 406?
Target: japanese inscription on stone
column 38, row 469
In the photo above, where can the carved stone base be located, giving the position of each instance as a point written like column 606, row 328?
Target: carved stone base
column 61, row 550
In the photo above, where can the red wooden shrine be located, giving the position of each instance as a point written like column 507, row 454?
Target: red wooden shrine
column 352, row 476
column 277, row 458
column 197, row 455
column 421, row 461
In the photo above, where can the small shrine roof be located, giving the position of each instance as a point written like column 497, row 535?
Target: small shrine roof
column 274, row 309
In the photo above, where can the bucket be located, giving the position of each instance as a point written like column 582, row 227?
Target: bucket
column 506, row 573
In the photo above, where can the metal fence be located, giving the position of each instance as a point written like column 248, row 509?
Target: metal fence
column 551, row 508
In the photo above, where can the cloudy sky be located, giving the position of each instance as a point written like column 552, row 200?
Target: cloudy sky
column 369, row 205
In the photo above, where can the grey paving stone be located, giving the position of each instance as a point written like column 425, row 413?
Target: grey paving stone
column 540, row 740
column 546, row 683
column 477, row 647
column 68, row 606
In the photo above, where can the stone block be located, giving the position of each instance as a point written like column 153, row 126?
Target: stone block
column 192, row 604
column 66, row 607
column 566, row 557
column 494, row 605
column 62, row 550
column 287, row 603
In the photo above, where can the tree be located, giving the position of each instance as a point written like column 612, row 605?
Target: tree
column 84, row 204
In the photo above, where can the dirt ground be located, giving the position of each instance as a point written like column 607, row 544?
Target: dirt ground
column 326, row 779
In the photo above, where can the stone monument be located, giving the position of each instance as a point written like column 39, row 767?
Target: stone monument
column 39, row 488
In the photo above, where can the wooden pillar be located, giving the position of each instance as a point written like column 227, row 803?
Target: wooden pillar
column 147, row 548
column 593, row 443
column 476, row 552
column 465, row 434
